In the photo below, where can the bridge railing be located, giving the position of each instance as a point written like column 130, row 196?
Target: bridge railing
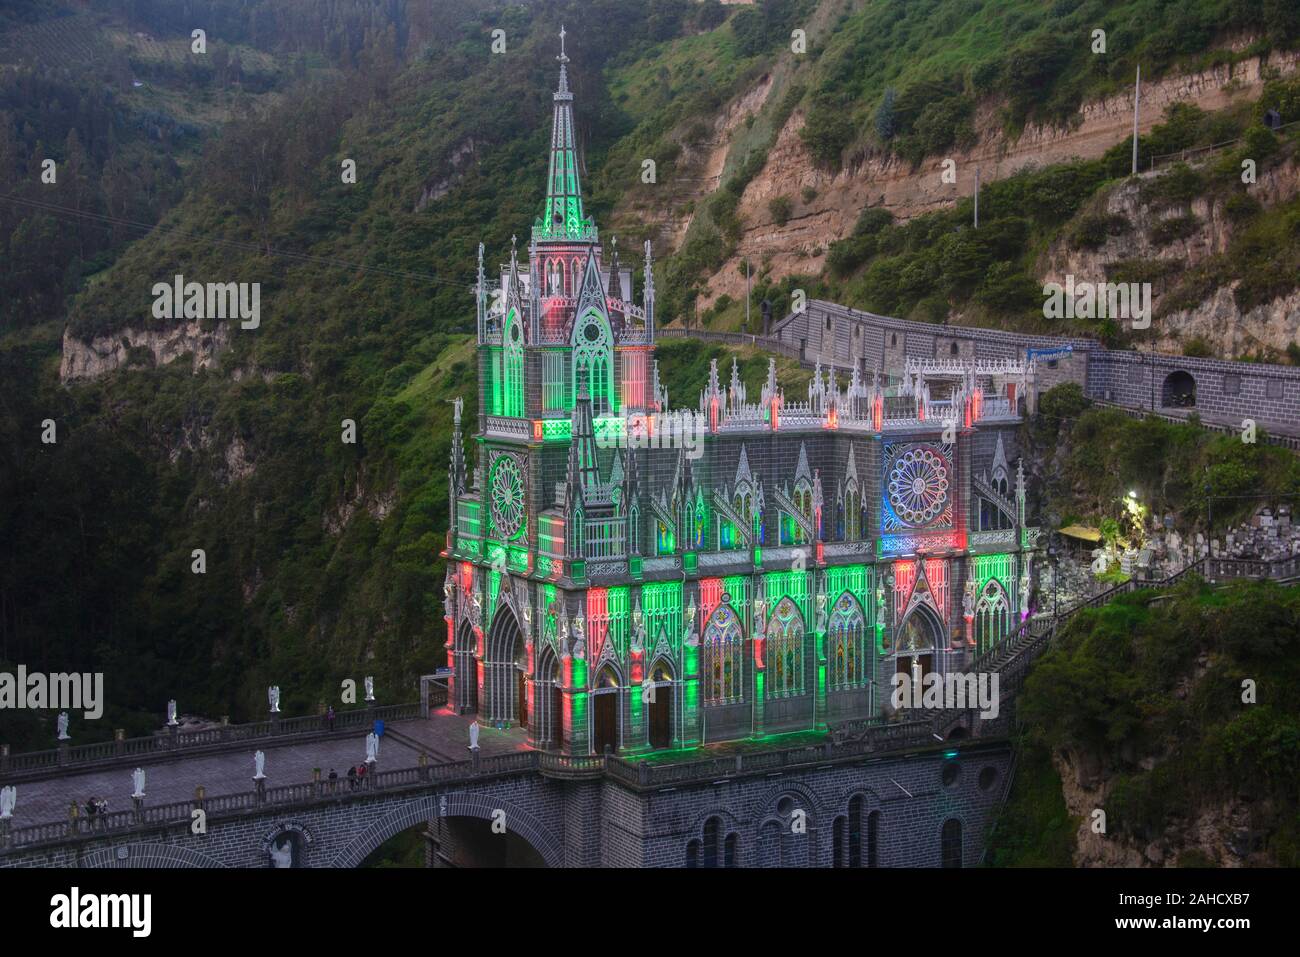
column 166, row 745
column 882, row 737
column 878, row 738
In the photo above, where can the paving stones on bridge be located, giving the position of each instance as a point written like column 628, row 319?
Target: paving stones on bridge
column 41, row 802
column 445, row 737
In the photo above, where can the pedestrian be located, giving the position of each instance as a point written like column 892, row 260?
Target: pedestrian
column 352, row 778
column 361, row 774
column 329, row 717
column 379, row 727
column 334, row 780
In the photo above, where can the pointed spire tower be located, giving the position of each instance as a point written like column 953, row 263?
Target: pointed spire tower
column 562, row 218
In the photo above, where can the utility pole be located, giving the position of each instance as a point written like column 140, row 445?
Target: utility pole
column 977, row 197
column 746, row 295
column 1137, row 88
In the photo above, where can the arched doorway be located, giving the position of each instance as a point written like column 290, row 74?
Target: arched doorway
column 658, row 699
column 1178, row 391
column 505, row 667
column 604, row 711
column 919, row 637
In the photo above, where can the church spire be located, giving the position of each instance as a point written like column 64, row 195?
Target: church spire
column 562, row 218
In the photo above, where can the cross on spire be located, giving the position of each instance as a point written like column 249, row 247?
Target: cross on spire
column 562, row 57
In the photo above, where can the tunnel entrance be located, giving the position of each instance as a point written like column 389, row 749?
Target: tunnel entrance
column 1179, row 391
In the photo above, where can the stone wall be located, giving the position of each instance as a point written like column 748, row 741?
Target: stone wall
column 1226, row 391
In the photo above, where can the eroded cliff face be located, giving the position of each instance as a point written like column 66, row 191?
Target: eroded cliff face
column 799, row 245
column 1216, row 320
column 104, row 354
column 670, row 211
column 1218, row 835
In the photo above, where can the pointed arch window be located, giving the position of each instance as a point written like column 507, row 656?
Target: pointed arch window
column 992, row 615
column 852, row 511
column 803, row 500
column 664, row 544
column 724, row 658
column 593, row 362
column 512, row 385
column 847, row 644
column 784, row 654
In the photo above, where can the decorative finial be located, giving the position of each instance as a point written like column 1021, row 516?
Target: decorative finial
column 562, row 57
column 513, row 242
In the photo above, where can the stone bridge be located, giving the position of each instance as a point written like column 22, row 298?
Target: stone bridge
column 884, row 795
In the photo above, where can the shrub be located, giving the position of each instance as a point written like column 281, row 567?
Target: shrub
column 779, row 207
column 1170, row 230
column 827, row 131
column 1092, row 230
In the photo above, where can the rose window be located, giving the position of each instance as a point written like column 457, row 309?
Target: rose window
column 918, row 486
column 507, row 497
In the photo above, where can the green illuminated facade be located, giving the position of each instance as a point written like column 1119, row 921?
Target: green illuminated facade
column 626, row 575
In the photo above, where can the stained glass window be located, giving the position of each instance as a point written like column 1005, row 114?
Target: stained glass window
column 785, row 637
column 847, row 638
column 724, row 657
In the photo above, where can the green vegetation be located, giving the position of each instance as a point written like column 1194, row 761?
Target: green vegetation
column 909, row 72
column 322, row 558
column 1152, row 675
column 1100, row 454
column 402, row 850
column 1035, row 828
column 684, row 369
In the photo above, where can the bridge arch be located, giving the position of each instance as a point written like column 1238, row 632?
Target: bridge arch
column 458, row 804
column 148, row 855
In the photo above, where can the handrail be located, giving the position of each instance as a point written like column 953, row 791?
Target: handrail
column 222, row 737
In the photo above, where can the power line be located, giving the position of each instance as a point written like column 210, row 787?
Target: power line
column 179, row 233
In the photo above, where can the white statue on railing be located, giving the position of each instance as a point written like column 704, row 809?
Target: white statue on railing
column 171, row 713
column 372, row 748
column 137, row 781
column 63, row 726
column 259, row 763
column 370, row 688
column 8, row 798
column 273, row 696
column 473, row 735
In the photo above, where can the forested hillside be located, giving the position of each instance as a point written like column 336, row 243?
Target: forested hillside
column 322, row 556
